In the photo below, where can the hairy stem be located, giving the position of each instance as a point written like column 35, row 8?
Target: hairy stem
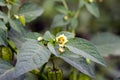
column 65, row 4
column 77, row 13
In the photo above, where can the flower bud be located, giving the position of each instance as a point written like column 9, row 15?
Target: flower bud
column 88, row 61
column 40, row 38
column 60, row 49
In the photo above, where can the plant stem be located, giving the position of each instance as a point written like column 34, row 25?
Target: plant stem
column 53, row 65
column 77, row 13
column 74, row 74
column 9, row 14
column 65, row 4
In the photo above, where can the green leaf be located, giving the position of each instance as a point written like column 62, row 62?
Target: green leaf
column 59, row 21
column 52, row 49
column 16, row 26
column 67, row 34
column 30, row 76
column 78, row 62
column 31, row 11
column 4, row 17
column 32, row 35
column 93, row 9
column 6, row 70
column 107, row 43
column 62, row 9
column 2, row 26
column 3, row 37
column 31, row 55
column 12, row 45
column 85, row 48
column 2, row 3
column 74, row 23
column 81, row 3
column 48, row 36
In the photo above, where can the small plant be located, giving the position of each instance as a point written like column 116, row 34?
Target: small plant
column 25, row 54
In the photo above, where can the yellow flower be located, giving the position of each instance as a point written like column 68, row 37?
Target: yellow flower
column 62, row 39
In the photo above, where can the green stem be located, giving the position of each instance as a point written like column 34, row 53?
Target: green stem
column 42, row 69
column 9, row 14
column 77, row 13
column 54, row 68
column 74, row 74
column 65, row 4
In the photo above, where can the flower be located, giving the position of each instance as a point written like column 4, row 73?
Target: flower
column 61, row 39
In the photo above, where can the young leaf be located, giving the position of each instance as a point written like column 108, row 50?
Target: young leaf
column 67, row 34
column 31, row 11
column 78, row 62
column 48, row 36
column 93, row 9
column 86, row 49
column 31, row 56
column 59, row 21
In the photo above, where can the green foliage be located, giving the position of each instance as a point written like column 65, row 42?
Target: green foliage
column 30, row 76
column 59, row 21
column 3, row 37
column 30, row 11
column 77, row 48
column 38, row 49
column 84, row 48
column 6, row 54
column 14, row 25
column 2, row 3
column 48, row 36
column 108, row 45
column 78, row 62
column 93, row 9
column 31, row 55
column 84, row 77
column 6, row 70
column 3, row 16
column 32, row 35
column 2, row 26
